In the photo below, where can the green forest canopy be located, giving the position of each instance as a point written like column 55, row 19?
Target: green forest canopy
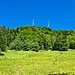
column 36, row 38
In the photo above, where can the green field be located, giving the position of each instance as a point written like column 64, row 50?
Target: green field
column 38, row 63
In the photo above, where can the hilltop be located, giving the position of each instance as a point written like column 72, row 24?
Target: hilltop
column 36, row 38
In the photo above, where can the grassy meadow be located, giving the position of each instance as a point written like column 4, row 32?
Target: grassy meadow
column 38, row 63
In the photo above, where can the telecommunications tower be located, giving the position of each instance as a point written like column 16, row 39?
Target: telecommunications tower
column 33, row 22
column 48, row 24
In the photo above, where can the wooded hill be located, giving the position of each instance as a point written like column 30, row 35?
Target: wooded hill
column 36, row 38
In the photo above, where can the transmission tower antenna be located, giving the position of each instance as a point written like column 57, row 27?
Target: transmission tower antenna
column 48, row 24
column 33, row 22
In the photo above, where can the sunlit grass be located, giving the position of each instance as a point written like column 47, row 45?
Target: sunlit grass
column 37, row 63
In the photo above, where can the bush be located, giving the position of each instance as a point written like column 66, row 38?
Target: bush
column 26, row 48
column 16, row 44
column 60, row 46
column 1, row 54
column 72, row 45
column 35, row 46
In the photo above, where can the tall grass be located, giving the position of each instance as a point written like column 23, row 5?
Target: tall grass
column 37, row 63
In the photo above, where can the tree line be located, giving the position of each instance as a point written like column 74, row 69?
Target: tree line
column 36, row 38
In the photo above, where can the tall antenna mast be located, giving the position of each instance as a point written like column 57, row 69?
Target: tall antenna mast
column 48, row 24
column 33, row 22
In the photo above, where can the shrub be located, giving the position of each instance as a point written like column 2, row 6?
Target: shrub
column 16, row 44
column 35, row 46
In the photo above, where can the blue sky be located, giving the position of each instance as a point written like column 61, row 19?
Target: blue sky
column 60, row 13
